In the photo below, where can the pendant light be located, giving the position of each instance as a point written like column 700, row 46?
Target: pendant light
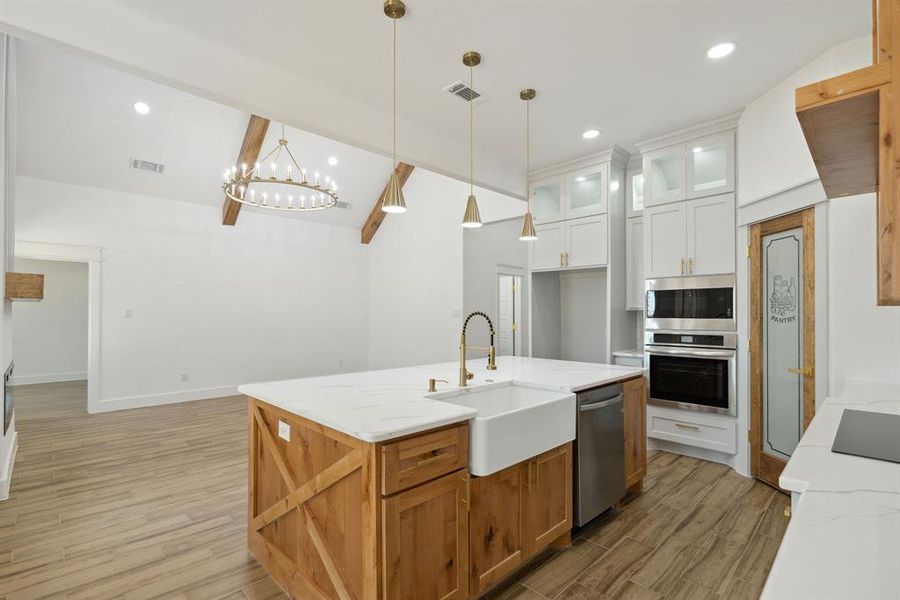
column 471, row 219
column 528, row 234
column 393, row 199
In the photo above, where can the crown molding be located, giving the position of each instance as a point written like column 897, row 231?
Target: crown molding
column 615, row 155
column 698, row 130
column 635, row 162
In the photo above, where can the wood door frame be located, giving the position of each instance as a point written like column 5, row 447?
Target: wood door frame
column 762, row 466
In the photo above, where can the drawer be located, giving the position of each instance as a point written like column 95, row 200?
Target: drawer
column 414, row 460
column 709, row 433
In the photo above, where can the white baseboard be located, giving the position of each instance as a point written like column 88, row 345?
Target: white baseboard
column 47, row 378
column 163, row 398
column 8, row 467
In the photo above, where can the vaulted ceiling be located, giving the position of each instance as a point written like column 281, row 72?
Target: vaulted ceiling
column 630, row 68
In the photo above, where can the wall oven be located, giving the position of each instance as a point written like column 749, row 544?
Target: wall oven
column 691, row 303
column 696, row 371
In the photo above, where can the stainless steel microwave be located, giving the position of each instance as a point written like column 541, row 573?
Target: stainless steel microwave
column 703, row 303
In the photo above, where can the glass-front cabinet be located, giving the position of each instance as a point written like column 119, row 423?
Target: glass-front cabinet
column 664, row 176
column 587, row 192
column 547, row 200
column 634, row 192
column 710, row 165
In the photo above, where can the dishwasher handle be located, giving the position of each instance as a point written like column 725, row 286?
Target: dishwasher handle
column 602, row 404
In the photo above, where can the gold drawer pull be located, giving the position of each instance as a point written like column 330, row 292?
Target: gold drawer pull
column 688, row 427
column 805, row 371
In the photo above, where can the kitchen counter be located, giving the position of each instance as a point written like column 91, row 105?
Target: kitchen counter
column 374, row 406
column 843, row 540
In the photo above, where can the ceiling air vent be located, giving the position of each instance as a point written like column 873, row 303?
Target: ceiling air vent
column 465, row 93
column 342, row 205
column 146, row 165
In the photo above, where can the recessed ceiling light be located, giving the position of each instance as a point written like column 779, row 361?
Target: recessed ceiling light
column 332, row 161
column 698, row 149
column 590, row 134
column 581, row 179
column 141, row 108
column 721, row 50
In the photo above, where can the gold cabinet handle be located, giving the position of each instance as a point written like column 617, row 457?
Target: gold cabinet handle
column 682, row 266
column 688, row 427
column 805, row 371
column 567, row 258
column 560, row 259
column 690, row 266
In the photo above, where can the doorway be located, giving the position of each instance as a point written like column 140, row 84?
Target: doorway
column 509, row 315
column 782, row 339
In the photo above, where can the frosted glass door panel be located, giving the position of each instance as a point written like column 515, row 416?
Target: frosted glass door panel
column 782, row 276
column 709, row 167
column 637, row 198
column 546, row 201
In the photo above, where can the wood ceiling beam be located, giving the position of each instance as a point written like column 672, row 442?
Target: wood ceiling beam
column 376, row 217
column 253, row 139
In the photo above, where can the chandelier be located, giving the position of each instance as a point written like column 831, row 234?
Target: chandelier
column 288, row 187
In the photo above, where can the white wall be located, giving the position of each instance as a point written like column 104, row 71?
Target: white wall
column 50, row 337
column 271, row 298
column 496, row 245
column 865, row 338
column 416, row 271
column 772, row 152
column 8, row 443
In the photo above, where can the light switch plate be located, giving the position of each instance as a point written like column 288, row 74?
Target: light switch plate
column 284, row 431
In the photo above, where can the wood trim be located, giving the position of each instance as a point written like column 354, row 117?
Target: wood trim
column 376, row 217
column 272, row 447
column 253, row 140
column 324, row 555
column 862, row 81
column 24, row 286
column 764, row 467
column 888, row 215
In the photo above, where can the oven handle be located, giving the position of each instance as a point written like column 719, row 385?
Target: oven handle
column 700, row 353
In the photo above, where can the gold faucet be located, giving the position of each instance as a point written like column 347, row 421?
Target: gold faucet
column 464, row 374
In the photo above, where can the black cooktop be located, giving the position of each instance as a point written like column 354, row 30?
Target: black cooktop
column 868, row 434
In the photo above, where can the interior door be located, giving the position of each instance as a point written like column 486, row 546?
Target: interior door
column 782, row 339
column 506, row 315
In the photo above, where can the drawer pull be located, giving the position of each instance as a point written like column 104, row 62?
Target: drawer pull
column 688, row 427
column 428, row 461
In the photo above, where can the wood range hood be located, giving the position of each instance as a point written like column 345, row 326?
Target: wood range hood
column 849, row 122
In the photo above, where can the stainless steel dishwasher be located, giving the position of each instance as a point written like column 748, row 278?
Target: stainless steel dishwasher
column 599, row 452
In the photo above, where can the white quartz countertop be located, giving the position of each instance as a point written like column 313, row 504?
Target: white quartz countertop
column 374, row 406
column 843, row 540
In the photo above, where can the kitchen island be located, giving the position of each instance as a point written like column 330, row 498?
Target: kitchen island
column 843, row 539
column 359, row 484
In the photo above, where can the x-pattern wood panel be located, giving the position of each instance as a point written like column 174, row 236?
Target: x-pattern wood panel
column 298, row 498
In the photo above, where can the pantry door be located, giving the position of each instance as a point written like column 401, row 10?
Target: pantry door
column 782, row 339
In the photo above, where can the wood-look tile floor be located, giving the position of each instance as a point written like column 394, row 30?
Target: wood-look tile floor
column 150, row 503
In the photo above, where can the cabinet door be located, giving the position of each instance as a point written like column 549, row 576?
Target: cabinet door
column 587, row 192
column 547, row 250
column 495, row 521
column 664, row 240
column 634, row 264
column 634, row 193
column 664, row 176
column 547, row 200
column 587, row 241
column 426, row 535
column 547, row 498
column 635, row 417
column 710, row 165
column 710, row 235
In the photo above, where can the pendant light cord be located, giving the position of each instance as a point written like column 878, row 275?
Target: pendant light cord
column 472, row 132
column 528, row 155
column 395, row 94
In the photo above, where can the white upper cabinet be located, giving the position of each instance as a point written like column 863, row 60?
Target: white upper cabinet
column 634, row 192
column 710, row 165
column 634, row 264
column 710, row 235
column 664, row 176
column 547, row 200
column 665, row 243
column 587, row 241
column 547, row 251
column 696, row 237
column 587, row 192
